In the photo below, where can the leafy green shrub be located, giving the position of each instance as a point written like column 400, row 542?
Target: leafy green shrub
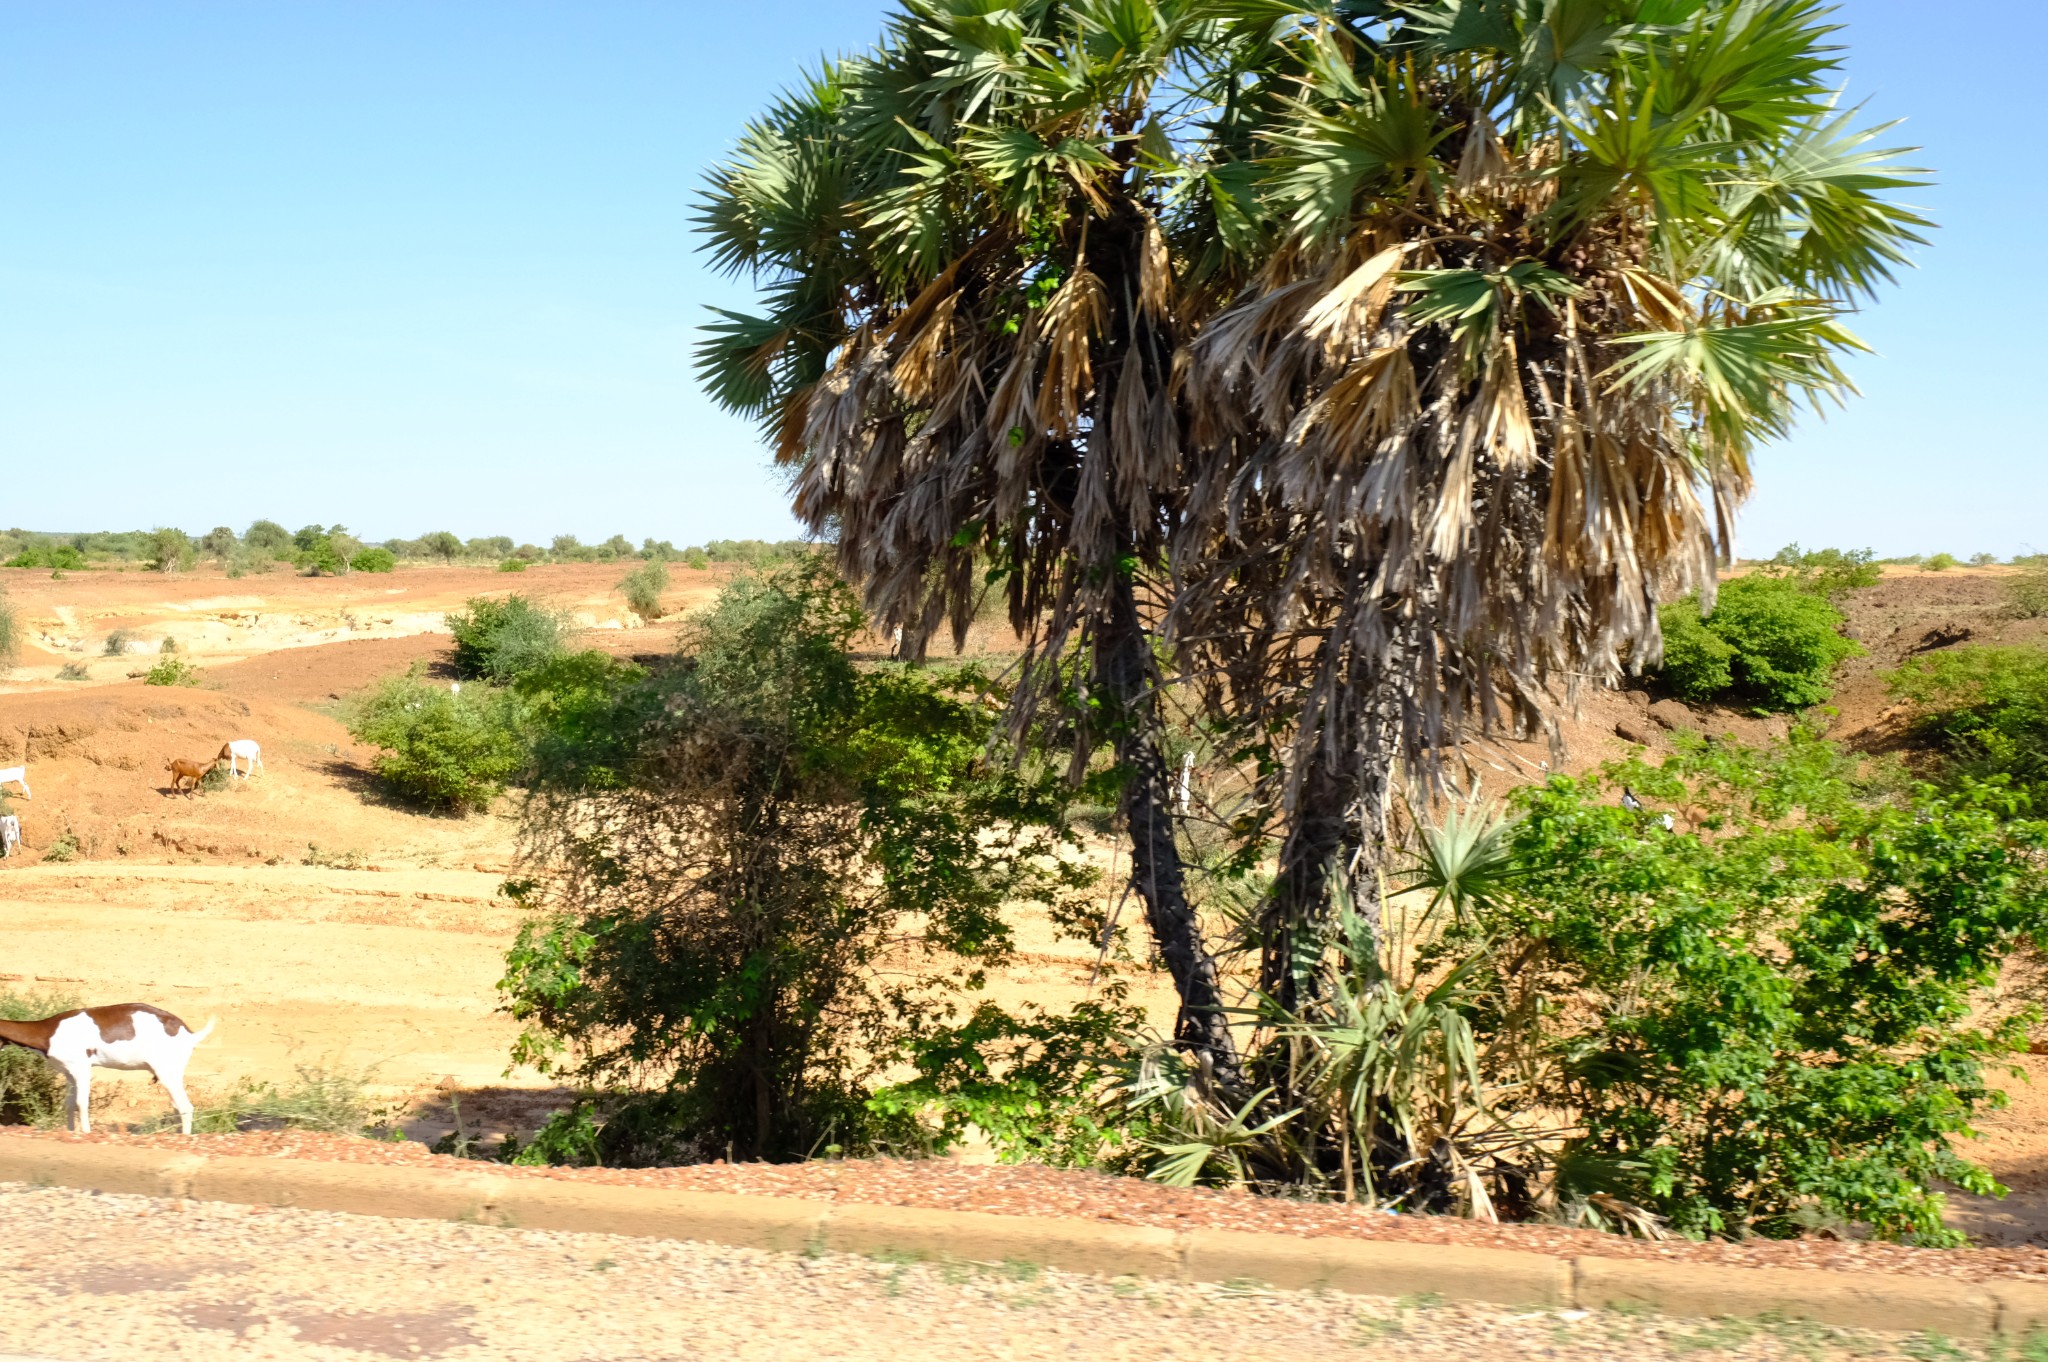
column 1781, row 1017
column 512, row 565
column 171, row 671
column 499, row 639
column 643, row 587
column 1985, row 710
column 1940, row 562
column 63, row 848
column 374, row 560
column 59, row 558
column 718, row 982
column 2026, row 594
column 1782, row 644
column 170, row 551
column 1826, row 572
column 442, row 749
column 696, row 559
column 31, row 1093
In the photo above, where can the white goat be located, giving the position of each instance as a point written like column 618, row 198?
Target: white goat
column 10, row 833
column 19, row 776
column 124, row 1036
column 245, row 748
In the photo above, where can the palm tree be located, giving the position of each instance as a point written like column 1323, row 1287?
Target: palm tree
column 965, row 355
column 1532, row 279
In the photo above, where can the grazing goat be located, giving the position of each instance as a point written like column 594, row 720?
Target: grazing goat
column 247, row 750
column 125, row 1036
column 19, row 776
column 182, row 771
column 10, row 833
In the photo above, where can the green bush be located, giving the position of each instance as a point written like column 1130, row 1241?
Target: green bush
column 1782, row 644
column 1825, row 572
column 1780, row 1020
column 696, row 559
column 1940, row 562
column 720, row 984
column 171, row 671
column 512, row 565
column 170, row 551
column 374, row 560
column 499, row 639
column 1985, row 710
column 441, row 749
column 31, row 1093
column 2026, row 594
column 643, row 587
column 59, row 558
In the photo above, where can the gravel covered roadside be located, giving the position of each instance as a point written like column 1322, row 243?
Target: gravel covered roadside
column 120, row 1277
column 1031, row 1190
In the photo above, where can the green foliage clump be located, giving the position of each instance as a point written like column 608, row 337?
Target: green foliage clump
column 1781, row 1015
column 1940, row 562
column 269, row 538
column 730, row 845
column 442, row 749
column 374, row 560
column 643, row 587
column 512, row 565
column 500, row 639
column 31, row 1093
column 1985, row 710
column 171, row 671
column 1826, row 572
column 2026, row 594
column 58, row 558
column 696, row 559
column 170, row 551
column 1769, row 642
column 63, row 847
column 322, row 552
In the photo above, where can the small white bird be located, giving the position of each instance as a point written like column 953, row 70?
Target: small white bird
column 1629, row 800
column 455, row 688
column 1670, row 823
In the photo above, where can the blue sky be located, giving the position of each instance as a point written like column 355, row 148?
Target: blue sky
column 420, row 265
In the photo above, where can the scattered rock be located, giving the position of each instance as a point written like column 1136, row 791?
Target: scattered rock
column 1672, row 715
column 1631, row 732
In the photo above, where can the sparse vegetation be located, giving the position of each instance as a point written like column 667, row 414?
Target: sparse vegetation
column 442, row 750
column 2026, row 593
column 329, row 1100
column 1985, row 710
column 1825, row 572
column 1771, row 642
column 64, row 847
column 10, row 631
column 74, row 671
column 118, row 641
column 1940, row 562
column 171, row 671
column 31, row 1092
column 500, row 639
column 643, row 586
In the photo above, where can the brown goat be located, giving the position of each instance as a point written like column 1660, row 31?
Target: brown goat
column 182, row 771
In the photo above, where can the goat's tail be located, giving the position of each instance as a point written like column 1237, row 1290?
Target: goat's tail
column 203, row 1032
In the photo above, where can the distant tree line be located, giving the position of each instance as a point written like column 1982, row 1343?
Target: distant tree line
column 333, row 550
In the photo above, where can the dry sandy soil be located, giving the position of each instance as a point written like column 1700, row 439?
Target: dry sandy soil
column 237, row 904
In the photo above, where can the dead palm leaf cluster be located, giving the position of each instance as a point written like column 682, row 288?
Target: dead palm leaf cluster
column 1389, row 361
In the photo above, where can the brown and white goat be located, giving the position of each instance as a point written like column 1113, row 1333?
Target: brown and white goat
column 124, row 1036
column 182, row 771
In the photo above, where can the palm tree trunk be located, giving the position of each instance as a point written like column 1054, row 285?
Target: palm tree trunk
column 1123, row 665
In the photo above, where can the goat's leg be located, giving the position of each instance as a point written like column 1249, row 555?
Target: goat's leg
column 173, row 1080
column 77, row 1096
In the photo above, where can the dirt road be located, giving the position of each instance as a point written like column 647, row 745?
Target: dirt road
column 134, row 1277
